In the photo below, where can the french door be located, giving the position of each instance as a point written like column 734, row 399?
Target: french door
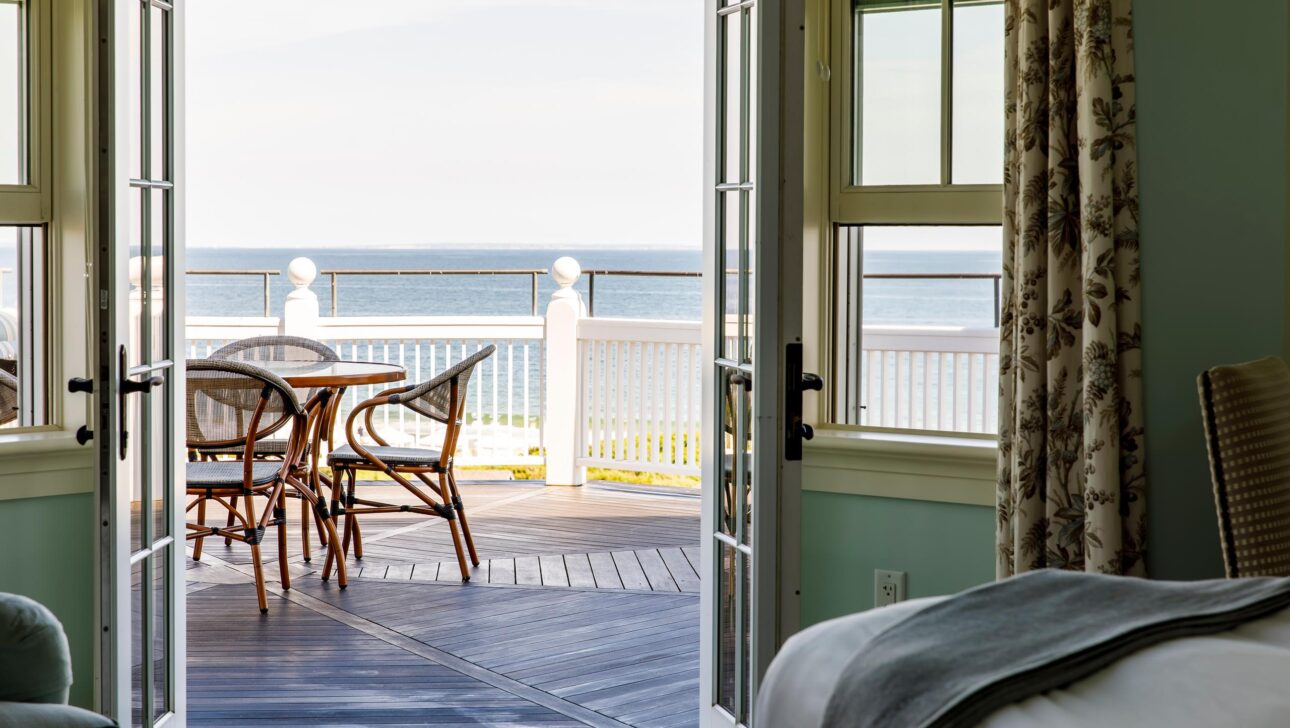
column 752, row 321
column 139, row 268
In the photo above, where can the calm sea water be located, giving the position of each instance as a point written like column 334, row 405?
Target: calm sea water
column 914, row 302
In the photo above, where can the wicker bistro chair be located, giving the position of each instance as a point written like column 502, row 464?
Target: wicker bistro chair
column 1247, row 430
column 442, row 399
column 231, row 404
column 276, row 348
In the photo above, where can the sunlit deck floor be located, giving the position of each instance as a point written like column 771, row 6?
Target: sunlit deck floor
column 584, row 611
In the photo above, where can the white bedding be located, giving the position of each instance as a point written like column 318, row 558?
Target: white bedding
column 1235, row 678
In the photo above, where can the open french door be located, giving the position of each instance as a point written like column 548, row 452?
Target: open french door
column 752, row 427
column 139, row 381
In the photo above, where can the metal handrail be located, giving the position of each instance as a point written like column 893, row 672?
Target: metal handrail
column 263, row 272
column 532, row 273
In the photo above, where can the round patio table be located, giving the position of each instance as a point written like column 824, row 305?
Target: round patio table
column 329, row 380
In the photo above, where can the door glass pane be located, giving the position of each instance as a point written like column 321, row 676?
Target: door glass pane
column 134, row 82
column 727, row 629
column 137, row 464
column 157, row 85
column 160, row 633
column 137, row 637
column 897, row 92
column 745, row 633
column 730, row 321
column 749, row 278
column 13, row 94
column 750, row 172
column 156, row 294
column 732, row 98
column 728, row 519
column 140, row 272
column 744, row 408
column 978, row 94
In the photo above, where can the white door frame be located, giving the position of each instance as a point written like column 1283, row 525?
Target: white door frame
column 776, row 311
column 113, row 241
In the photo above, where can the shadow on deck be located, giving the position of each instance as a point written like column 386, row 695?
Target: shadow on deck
column 583, row 611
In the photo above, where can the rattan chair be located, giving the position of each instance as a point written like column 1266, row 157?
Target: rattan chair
column 8, row 397
column 277, row 348
column 230, row 404
column 442, row 399
column 1247, row 427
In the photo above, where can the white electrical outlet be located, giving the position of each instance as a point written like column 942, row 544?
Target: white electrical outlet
column 888, row 587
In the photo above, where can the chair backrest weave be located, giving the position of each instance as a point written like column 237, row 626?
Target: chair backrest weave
column 1247, row 427
column 275, row 348
column 223, row 397
column 8, row 397
column 433, row 398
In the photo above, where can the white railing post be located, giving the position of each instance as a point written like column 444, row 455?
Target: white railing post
column 562, row 423
column 300, row 311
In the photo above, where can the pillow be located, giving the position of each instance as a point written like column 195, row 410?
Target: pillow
column 35, row 665
column 44, row 715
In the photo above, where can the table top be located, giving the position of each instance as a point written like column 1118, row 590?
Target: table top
column 334, row 373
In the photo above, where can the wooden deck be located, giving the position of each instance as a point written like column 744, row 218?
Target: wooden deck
column 584, row 611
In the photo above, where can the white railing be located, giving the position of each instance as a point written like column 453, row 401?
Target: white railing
column 503, row 410
column 573, row 392
column 640, row 395
column 930, row 378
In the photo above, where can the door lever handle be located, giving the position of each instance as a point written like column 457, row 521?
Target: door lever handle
column 812, row 383
column 80, row 384
column 129, row 386
column 83, row 435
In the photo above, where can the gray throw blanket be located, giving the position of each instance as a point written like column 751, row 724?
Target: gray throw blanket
column 959, row 660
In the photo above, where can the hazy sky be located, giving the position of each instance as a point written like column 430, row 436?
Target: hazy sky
column 418, row 122
column 534, row 123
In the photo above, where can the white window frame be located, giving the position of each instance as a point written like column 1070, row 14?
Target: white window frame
column 31, row 205
column 849, row 204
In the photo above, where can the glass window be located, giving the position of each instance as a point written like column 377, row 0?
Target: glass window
column 977, row 148
column 924, row 355
column 13, row 93
column 898, row 93
column 23, row 387
column 907, row 112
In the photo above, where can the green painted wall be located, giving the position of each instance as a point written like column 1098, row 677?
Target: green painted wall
column 1211, row 142
column 943, row 547
column 48, row 547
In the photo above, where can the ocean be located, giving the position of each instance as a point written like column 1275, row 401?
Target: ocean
column 886, row 302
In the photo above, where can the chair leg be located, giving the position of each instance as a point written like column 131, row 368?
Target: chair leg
column 452, row 527
column 280, row 515
column 358, row 529
column 255, row 557
column 305, row 517
column 201, row 521
column 334, row 555
column 347, row 478
column 229, row 524
column 461, row 516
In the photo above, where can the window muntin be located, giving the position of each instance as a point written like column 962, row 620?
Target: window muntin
column 913, row 63
column 15, row 138
column 24, row 390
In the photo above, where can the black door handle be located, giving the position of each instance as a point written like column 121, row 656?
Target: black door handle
column 80, row 384
column 129, row 386
column 796, row 381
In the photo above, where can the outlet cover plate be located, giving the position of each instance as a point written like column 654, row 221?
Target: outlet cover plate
column 888, row 587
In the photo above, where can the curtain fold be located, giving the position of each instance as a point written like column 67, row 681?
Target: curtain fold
column 1071, row 483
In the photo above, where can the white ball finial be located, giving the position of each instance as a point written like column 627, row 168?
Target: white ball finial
column 566, row 271
column 302, row 271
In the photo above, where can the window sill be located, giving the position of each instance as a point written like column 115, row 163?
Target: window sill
column 938, row 468
column 39, row 464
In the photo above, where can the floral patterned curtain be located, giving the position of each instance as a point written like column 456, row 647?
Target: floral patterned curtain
column 1071, row 482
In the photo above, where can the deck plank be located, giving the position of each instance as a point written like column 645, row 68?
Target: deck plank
column 686, row 578
column 629, row 569
column 604, row 571
column 578, row 567
column 553, row 570
column 660, row 579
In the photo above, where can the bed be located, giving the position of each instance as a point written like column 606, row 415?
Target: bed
column 1239, row 677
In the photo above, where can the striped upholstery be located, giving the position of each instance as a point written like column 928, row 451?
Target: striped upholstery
column 1247, row 428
